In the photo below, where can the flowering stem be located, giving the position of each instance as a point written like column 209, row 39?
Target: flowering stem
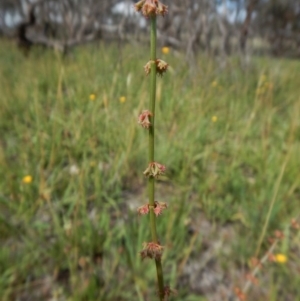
column 151, row 180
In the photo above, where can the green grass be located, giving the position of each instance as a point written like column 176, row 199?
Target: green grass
column 75, row 236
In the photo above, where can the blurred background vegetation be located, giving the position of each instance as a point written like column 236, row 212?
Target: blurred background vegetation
column 72, row 156
column 215, row 27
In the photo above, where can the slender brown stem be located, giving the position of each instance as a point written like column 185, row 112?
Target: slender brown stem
column 151, row 181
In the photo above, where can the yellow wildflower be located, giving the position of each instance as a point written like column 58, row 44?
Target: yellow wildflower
column 165, row 50
column 122, row 99
column 214, row 83
column 93, row 163
column 27, row 179
column 280, row 258
column 92, row 96
column 263, row 78
column 214, row 119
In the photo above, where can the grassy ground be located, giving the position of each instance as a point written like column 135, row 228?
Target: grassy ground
column 229, row 138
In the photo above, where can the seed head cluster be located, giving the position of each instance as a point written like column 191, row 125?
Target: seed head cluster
column 150, row 8
column 154, row 169
column 144, row 119
column 161, row 67
column 158, row 208
column 151, row 250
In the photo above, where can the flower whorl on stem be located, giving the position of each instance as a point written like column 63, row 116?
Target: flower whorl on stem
column 154, row 169
column 144, row 120
column 151, row 8
column 161, row 67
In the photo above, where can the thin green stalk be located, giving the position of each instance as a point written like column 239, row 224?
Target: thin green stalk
column 276, row 189
column 152, row 87
column 151, row 181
